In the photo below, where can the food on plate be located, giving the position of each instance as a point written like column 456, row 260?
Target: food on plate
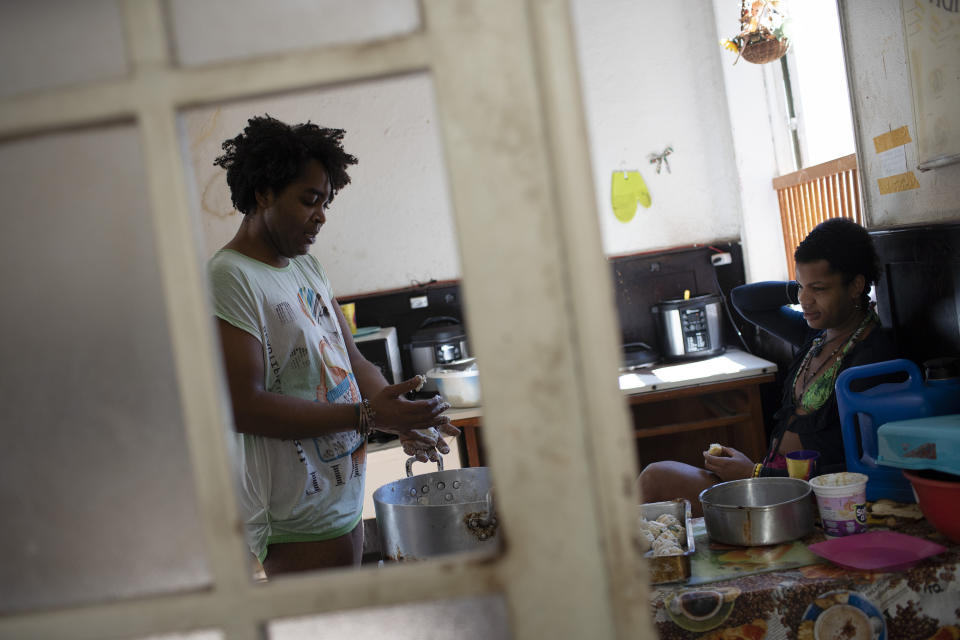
column 663, row 535
column 714, row 450
column 668, row 550
column 667, row 519
column 645, row 541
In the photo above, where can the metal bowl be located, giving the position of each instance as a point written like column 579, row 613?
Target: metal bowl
column 758, row 511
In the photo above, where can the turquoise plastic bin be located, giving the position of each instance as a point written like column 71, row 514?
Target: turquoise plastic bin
column 863, row 412
column 921, row 443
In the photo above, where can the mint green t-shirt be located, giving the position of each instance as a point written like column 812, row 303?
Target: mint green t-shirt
column 293, row 491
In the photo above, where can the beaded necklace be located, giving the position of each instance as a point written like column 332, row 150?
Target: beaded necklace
column 817, row 393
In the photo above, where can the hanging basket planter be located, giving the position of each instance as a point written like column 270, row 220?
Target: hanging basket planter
column 762, row 37
column 764, row 51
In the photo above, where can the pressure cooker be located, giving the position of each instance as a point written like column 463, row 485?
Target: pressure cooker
column 689, row 328
column 439, row 341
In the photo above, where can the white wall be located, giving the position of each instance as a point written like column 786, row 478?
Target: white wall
column 651, row 77
column 880, row 85
column 392, row 224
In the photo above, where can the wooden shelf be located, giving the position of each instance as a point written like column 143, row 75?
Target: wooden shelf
column 682, row 427
column 681, row 422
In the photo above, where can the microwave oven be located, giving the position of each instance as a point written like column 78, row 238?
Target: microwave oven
column 382, row 349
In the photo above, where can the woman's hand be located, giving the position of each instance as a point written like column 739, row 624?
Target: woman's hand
column 729, row 465
column 394, row 413
column 419, row 423
column 427, row 444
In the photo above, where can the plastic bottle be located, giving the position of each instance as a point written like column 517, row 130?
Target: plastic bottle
column 862, row 413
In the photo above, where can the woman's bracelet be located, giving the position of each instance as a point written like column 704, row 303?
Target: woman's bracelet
column 757, row 468
column 366, row 414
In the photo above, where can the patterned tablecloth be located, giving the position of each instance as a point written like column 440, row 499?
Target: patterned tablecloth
column 786, row 592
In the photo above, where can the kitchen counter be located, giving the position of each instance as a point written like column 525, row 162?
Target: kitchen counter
column 714, row 400
column 732, row 365
column 463, row 414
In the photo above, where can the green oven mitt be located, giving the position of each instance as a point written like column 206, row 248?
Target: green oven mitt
column 627, row 188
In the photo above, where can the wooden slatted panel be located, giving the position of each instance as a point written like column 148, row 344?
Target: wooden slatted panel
column 812, row 195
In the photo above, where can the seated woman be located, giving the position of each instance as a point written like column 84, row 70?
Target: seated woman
column 836, row 329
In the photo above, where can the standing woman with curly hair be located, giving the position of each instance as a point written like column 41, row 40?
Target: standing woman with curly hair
column 304, row 398
column 835, row 329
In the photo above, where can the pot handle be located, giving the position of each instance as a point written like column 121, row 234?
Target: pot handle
column 413, row 459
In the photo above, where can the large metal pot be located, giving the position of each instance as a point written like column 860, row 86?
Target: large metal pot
column 758, row 511
column 436, row 513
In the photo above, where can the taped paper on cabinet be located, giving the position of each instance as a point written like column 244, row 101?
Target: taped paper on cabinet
column 892, row 154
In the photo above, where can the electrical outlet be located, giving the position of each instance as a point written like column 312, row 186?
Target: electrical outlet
column 418, row 302
column 718, row 259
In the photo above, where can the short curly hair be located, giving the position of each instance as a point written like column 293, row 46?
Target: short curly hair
column 846, row 246
column 271, row 154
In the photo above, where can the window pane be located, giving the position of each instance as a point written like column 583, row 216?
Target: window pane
column 55, row 43
column 94, row 474
column 477, row 618
column 392, row 226
column 387, row 233
column 218, row 30
column 820, row 84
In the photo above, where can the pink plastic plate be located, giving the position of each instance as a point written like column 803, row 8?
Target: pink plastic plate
column 877, row 551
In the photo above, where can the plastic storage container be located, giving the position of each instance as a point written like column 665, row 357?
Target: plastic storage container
column 922, row 443
column 863, row 412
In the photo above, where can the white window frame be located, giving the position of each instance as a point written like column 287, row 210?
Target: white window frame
column 540, row 304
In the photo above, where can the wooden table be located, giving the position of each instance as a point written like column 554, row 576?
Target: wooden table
column 678, row 409
column 471, row 449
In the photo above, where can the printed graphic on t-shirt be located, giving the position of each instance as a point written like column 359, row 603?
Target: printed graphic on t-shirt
column 299, row 358
column 276, row 385
column 337, row 383
column 358, row 458
column 337, row 445
column 284, row 312
column 314, row 307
